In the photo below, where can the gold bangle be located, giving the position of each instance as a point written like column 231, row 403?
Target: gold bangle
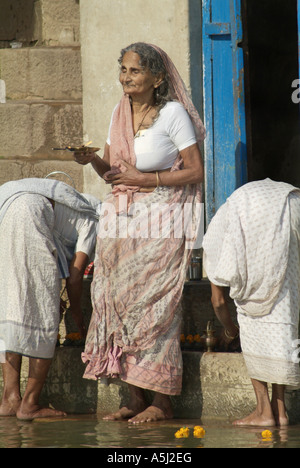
column 229, row 337
column 157, row 179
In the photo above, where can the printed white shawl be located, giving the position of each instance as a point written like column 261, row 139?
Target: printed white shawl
column 247, row 242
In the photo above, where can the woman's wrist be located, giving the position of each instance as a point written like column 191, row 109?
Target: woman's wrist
column 151, row 179
column 145, row 180
column 232, row 333
column 93, row 157
column 84, row 158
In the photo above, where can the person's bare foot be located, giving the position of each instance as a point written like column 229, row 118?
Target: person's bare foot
column 160, row 410
column 10, row 407
column 282, row 419
column 123, row 414
column 136, row 405
column 151, row 414
column 38, row 412
column 255, row 419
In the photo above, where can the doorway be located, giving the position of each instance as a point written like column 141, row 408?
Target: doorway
column 270, row 44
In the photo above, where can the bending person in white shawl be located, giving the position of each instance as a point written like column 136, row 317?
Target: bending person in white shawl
column 47, row 232
column 252, row 246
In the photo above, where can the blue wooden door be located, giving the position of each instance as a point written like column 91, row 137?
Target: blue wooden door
column 224, row 102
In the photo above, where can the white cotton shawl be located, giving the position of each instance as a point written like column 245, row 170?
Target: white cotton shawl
column 247, row 243
column 62, row 193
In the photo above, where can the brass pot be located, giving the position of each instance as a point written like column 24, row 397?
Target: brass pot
column 208, row 339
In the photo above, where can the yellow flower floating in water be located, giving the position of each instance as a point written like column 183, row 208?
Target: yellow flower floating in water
column 199, row 432
column 266, row 435
column 182, row 433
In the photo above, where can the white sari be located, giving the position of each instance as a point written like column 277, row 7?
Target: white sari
column 30, row 286
column 252, row 246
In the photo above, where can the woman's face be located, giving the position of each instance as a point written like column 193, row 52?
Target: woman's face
column 136, row 81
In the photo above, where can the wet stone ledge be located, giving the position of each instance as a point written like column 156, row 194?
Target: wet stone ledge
column 216, row 386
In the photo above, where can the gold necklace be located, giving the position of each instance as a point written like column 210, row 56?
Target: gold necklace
column 137, row 133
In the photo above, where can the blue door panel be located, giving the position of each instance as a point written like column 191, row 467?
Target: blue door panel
column 224, row 110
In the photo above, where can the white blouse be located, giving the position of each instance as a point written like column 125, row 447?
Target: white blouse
column 157, row 147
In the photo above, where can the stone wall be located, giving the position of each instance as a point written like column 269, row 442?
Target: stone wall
column 41, row 98
column 216, row 387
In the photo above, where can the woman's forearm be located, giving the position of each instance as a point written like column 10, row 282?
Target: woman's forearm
column 100, row 166
column 191, row 173
column 170, row 179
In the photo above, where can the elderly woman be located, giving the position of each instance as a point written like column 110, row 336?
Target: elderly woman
column 152, row 159
column 252, row 246
column 47, row 232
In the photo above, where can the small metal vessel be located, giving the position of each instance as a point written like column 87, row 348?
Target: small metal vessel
column 209, row 340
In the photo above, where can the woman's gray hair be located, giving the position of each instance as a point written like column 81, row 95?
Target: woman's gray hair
column 151, row 59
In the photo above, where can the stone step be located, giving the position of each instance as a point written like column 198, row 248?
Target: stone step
column 216, row 386
column 41, row 73
column 30, row 129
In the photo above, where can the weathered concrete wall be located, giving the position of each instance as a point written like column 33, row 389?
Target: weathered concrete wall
column 107, row 27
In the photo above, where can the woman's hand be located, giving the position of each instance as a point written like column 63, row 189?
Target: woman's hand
column 84, row 158
column 131, row 177
column 228, row 342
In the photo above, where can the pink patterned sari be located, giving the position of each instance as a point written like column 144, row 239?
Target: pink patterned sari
column 142, row 255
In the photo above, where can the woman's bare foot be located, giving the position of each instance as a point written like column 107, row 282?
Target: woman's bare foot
column 38, row 412
column 152, row 413
column 136, row 405
column 281, row 419
column 123, row 414
column 255, row 419
column 160, row 410
column 278, row 405
column 10, row 407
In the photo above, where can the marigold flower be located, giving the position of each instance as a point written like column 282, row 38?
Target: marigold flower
column 182, row 433
column 182, row 338
column 199, row 432
column 190, row 338
column 197, row 338
column 73, row 336
column 266, row 434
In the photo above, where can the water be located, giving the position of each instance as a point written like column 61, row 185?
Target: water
column 85, row 431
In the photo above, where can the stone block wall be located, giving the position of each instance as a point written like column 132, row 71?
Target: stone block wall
column 41, row 83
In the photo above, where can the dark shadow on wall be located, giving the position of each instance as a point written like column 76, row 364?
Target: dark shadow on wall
column 272, row 40
column 17, row 21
